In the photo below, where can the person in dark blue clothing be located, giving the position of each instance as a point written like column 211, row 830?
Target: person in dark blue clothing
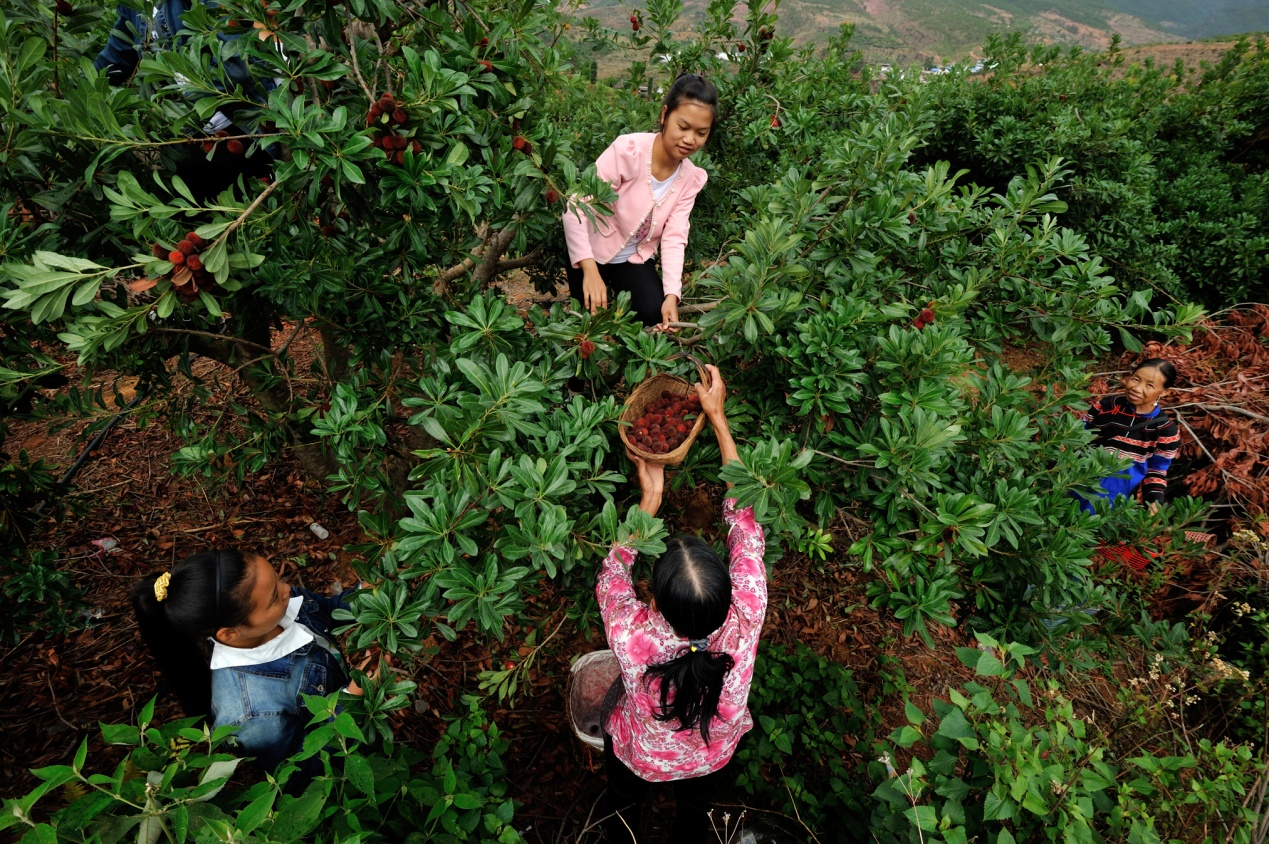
column 134, row 35
column 1132, row 425
column 238, row 644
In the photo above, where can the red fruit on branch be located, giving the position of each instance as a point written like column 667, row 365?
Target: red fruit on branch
column 484, row 42
column 775, row 122
column 386, row 102
column 186, row 248
column 416, row 147
column 234, row 147
column 740, row 48
column 634, row 19
column 198, row 242
column 194, row 262
column 221, row 133
column 587, row 348
column 927, row 315
column 176, row 258
column 634, row 26
column 487, row 66
column 159, row 251
column 399, row 116
column 208, row 146
column 398, row 157
column 551, row 196
column 919, row 323
column 373, row 114
column 518, row 142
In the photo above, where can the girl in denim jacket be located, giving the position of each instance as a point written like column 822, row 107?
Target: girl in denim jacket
column 656, row 187
column 237, row 643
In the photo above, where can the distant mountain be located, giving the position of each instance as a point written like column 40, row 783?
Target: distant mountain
column 1200, row 19
column 944, row 31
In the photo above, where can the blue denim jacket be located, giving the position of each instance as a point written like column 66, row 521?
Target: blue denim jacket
column 133, row 33
column 264, row 701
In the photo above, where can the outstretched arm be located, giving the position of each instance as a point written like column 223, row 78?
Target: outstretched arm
column 712, row 400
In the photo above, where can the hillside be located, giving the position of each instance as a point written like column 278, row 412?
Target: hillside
column 1200, row 20
column 941, row 31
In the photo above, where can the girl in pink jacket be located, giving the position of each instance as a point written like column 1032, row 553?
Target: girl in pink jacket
column 680, row 706
column 656, row 188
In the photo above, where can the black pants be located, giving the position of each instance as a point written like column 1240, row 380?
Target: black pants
column 643, row 281
column 692, row 797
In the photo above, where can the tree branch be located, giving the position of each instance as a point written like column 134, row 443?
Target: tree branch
column 531, row 260
column 356, row 66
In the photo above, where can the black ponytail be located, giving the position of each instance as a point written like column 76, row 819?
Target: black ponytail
column 692, row 587
column 206, row 592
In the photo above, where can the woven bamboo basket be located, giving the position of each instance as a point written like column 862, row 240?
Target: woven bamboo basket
column 588, row 683
column 649, row 391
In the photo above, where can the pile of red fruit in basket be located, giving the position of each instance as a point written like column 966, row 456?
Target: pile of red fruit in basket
column 665, row 422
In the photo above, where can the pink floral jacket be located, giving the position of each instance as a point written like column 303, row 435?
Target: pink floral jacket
column 626, row 164
column 640, row 637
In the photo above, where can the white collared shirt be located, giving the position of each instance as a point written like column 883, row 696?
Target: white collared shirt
column 294, row 636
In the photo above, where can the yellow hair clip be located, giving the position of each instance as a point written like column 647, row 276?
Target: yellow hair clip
column 160, row 586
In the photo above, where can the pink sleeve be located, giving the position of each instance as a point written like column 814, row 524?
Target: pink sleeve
column 576, row 226
column 674, row 241
column 625, row 618
column 746, row 546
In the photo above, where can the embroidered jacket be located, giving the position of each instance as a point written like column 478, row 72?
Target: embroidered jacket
column 626, row 165
column 640, row 637
column 1150, row 440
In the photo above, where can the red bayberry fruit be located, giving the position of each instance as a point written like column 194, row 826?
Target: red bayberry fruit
column 375, row 111
column 221, row 133
column 911, row 218
column 386, row 102
column 775, row 122
column 159, row 251
column 918, row 323
column 416, row 147
column 634, row 19
column 484, row 42
column 198, row 242
column 399, row 116
column 234, row 147
column 634, row 26
column 398, row 158
column 927, row 315
column 185, row 248
column 740, row 48
column 518, row 142
column 509, row 665
column 176, row 257
column 587, row 348
column 551, row 196
column 208, row 146
column 487, row 65
column 194, row 262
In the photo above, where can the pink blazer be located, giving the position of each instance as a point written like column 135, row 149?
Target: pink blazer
column 627, row 165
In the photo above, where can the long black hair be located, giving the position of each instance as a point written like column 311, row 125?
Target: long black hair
column 692, row 587
column 1167, row 370
column 691, row 88
column 207, row 591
